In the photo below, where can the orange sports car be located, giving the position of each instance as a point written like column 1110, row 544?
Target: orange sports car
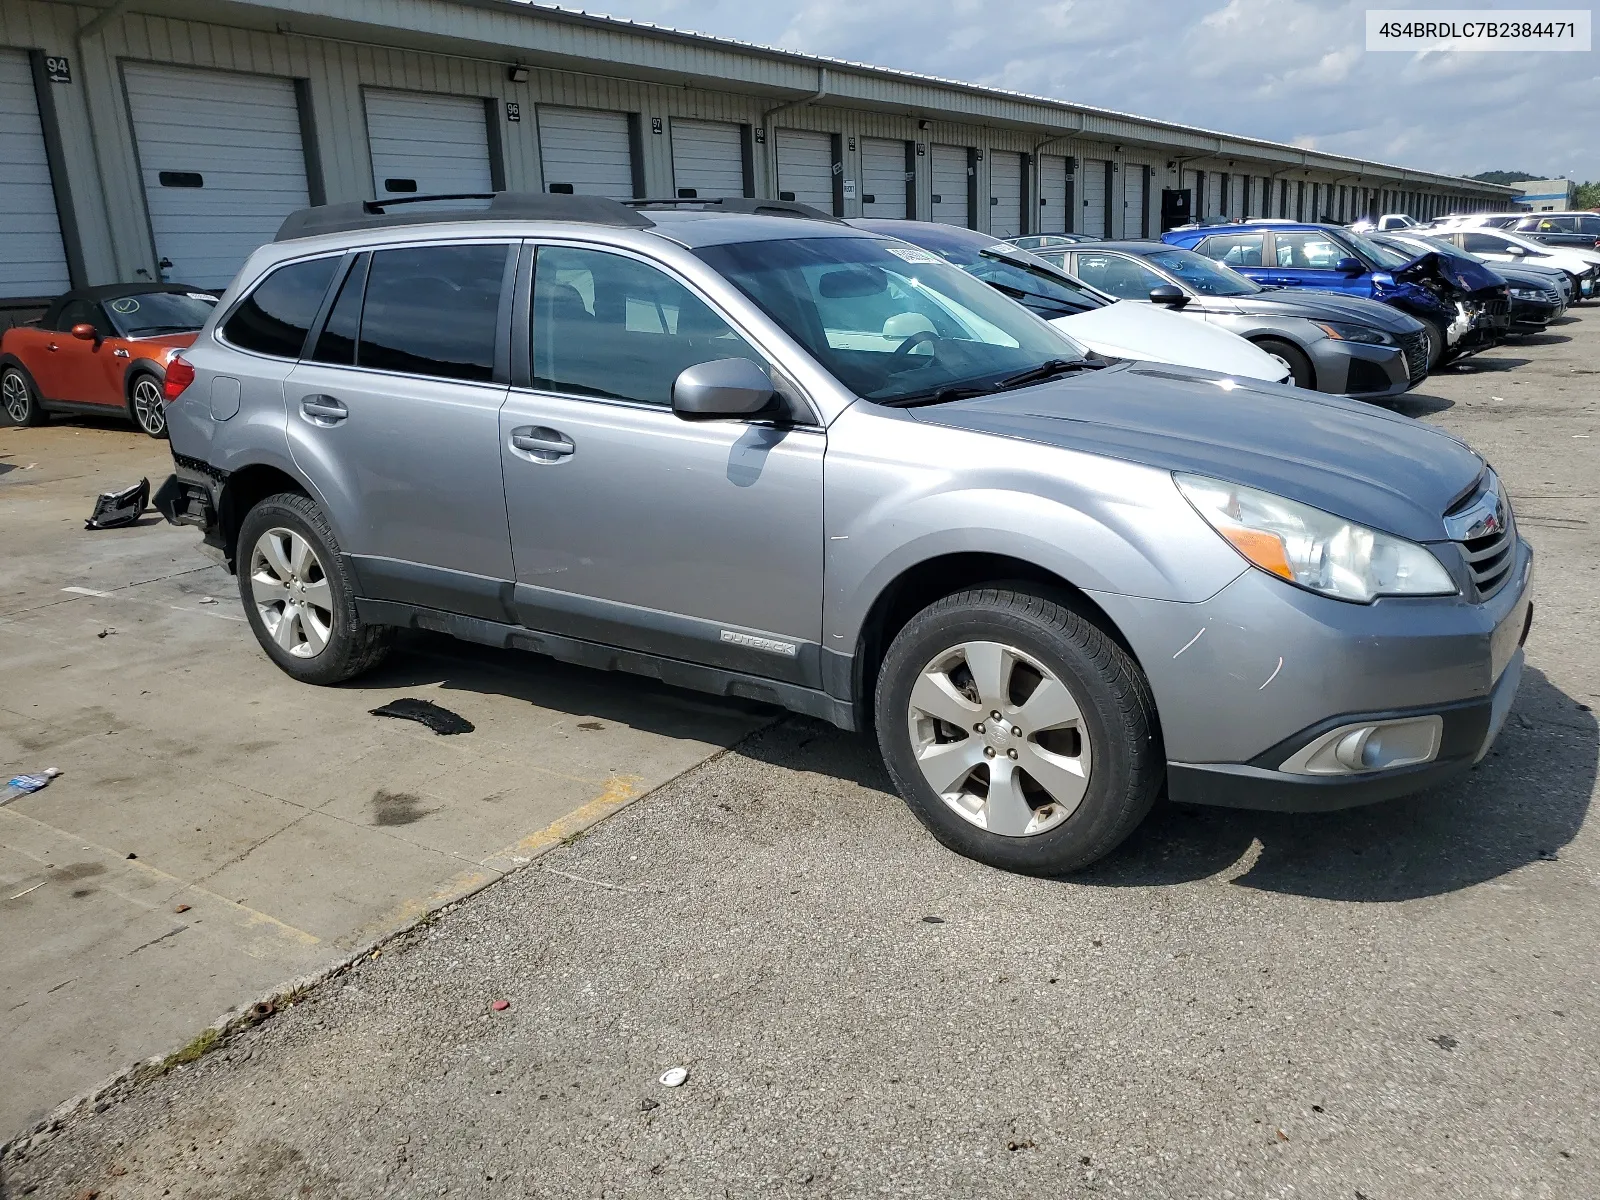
column 101, row 350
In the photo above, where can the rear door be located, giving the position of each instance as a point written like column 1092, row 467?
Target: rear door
column 885, row 178
column 33, row 259
column 949, row 169
column 394, row 416
column 805, row 167
column 222, row 162
column 586, row 152
column 708, row 159
column 631, row 527
column 1005, row 193
column 427, row 144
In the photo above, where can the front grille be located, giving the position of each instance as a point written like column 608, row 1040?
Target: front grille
column 1415, row 347
column 1489, row 559
column 1497, row 312
column 1483, row 526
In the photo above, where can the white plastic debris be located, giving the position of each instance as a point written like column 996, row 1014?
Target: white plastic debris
column 674, row 1076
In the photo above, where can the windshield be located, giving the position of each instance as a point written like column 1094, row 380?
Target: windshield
column 1024, row 277
column 1204, row 275
column 160, row 312
column 1381, row 255
column 894, row 323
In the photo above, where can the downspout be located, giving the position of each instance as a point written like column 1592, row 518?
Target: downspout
column 769, row 133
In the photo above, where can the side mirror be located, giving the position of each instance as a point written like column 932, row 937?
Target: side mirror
column 1512, row 249
column 86, row 332
column 720, row 389
column 1168, row 295
column 1349, row 266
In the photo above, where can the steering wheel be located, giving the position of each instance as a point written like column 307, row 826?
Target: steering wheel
column 914, row 340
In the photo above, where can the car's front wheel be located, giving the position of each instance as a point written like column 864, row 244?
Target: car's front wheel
column 1433, row 338
column 147, row 406
column 17, row 394
column 1017, row 731
column 1301, row 373
column 298, row 595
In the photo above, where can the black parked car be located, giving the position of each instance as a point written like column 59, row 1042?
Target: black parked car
column 1580, row 229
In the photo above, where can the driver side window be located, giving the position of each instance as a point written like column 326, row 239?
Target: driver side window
column 1121, row 277
column 83, row 312
column 611, row 326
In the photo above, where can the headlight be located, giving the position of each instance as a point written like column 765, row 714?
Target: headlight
column 1313, row 549
column 1341, row 332
column 1525, row 294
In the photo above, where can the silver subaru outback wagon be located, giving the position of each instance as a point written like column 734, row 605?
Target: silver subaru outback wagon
column 800, row 462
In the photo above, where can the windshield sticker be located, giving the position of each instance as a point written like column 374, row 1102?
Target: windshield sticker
column 125, row 306
column 913, row 254
column 206, row 296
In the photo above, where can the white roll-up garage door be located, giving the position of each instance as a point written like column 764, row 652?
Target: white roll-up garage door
column 1053, row 191
column 1092, row 178
column 805, row 167
column 222, row 163
column 33, row 259
column 883, row 178
column 950, row 184
column 426, row 144
column 1005, row 193
column 707, row 159
column 586, row 152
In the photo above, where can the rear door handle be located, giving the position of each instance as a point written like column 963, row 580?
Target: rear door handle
column 323, row 410
column 542, row 444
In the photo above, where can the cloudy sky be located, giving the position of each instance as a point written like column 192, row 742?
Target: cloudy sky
column 1290, row 70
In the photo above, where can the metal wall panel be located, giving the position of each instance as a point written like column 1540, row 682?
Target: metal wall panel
column 425, row 143
column 222, row 164
column 33, row 256
column 805, row 167
column 949, row 171
column 586, row 152
column 1005, row 193
column 883, row 177
column 707, row 158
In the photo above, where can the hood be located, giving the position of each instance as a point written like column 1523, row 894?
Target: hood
column 1364, row 464
column 1142, row 331
column 1464, row 274
column 1529, row 276
column 1327, row 306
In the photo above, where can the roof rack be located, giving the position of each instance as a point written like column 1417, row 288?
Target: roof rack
column 744, row 205
column 503, row 206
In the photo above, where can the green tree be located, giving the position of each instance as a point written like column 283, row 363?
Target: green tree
column 1586, row 195
column 1506, row 176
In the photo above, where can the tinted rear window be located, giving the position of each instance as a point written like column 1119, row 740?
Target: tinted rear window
column 433, row 310
column 275, row 318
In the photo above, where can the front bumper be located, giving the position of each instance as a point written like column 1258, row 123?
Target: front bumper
column 1530, row 316
column 1261, row 671
column 1366, row 372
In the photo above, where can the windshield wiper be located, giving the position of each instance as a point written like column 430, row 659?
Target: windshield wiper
column 942, row 395
column 1049, row 369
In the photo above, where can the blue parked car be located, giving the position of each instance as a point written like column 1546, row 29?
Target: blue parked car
column 1464, row 306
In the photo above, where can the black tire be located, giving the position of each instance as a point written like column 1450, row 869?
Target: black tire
column 351, row 647
column 150, row 418
column 1437, row 343
column 18, row 398
column 1119, row 718
column 1300, row 369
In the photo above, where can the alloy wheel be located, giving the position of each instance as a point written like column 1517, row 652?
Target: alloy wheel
column 1000, row 738
column 291, row 592
column 147, row 407
column 14, row 391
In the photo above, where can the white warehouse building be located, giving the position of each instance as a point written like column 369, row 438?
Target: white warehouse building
column 146, row 139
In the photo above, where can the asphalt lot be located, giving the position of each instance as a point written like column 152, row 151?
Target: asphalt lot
column 1397, row 1001
column 294, row 826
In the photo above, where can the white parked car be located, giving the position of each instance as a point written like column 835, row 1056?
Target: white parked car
column 1117, row 329
column 1501, row 245
column 1385, row 223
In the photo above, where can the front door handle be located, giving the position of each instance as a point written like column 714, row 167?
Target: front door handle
column 323, row 410
column 52, row 347
column 541, row 443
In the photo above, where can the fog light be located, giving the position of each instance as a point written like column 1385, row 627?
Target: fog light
column 1368, row 746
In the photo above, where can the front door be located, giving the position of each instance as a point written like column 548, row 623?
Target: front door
column 395, row 419
column 1306, row 258
column 632, row 527
column 75, row 370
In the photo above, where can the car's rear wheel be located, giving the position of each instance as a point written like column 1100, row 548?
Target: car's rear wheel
column 298, row 596
column 1300, row 369
column 146, row 404
column 21, row 402
column 1017, row 731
